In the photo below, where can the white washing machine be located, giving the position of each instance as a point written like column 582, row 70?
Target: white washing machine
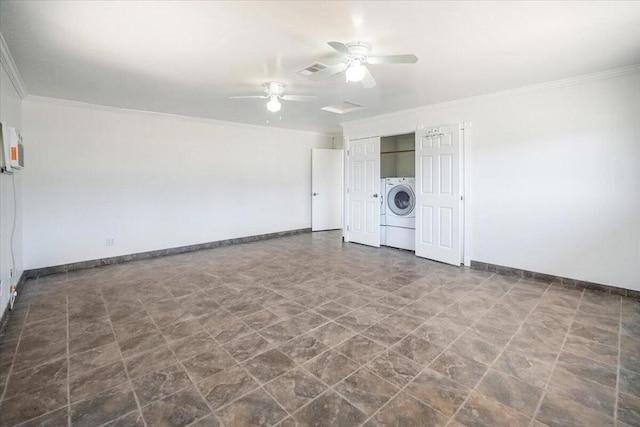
column 400, row 215
column 383, row 213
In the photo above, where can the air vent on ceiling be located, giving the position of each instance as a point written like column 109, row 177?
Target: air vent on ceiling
column 311, row 69
column 344, row 107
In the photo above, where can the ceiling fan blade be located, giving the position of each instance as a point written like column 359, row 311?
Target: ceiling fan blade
column 299, row 97
column 393, row 59
column 249, row 97
column 328, row 72
column 368, row 81
column 341, row 47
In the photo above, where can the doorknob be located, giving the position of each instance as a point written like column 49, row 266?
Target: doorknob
column 375, row 195
column 316, row 194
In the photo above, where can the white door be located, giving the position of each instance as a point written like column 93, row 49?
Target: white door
column 363, row 192
column 326, row 189
column 438, row 194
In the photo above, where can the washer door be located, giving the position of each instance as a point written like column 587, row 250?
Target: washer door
column 401, row 200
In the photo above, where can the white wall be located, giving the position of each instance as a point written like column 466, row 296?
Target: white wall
column 554, row 175
column 10, row 115
column 154, row 181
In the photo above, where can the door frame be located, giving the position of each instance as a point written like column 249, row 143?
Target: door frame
column 466, row 148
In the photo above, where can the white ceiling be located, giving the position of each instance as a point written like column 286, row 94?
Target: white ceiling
column 188, row 57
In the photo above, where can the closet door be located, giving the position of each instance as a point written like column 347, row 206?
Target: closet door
column 363, row 191
column 438, row 194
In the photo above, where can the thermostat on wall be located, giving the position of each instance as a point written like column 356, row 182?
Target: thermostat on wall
column 12, row 154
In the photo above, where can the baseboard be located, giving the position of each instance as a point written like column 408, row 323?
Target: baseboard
column 572, row 283
column 5, row 314
column 43, row 271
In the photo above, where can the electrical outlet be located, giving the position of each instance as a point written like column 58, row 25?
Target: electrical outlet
column 110, row 242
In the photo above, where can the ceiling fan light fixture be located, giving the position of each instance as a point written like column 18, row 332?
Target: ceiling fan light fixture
column 355, row 72
column 274, row 104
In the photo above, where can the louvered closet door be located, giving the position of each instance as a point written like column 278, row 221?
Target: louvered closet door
column 438, row 194
column 364, row 191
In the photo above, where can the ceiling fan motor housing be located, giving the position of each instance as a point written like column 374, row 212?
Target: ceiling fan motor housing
column 274, row 88
column 360, row 51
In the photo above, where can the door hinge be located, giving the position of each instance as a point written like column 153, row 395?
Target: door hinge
column 347, row 228
column 348, row 152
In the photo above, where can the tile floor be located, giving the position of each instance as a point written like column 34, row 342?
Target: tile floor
column 306, row 330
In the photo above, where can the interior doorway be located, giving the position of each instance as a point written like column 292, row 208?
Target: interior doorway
column 326, row 189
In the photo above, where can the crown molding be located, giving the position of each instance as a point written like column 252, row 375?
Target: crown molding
column 107, row 108
column 10, row 67
column 617, row 72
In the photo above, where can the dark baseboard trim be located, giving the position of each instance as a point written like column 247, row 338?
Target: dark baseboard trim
column 5, row 316
column 572, row 283
column 155, row 254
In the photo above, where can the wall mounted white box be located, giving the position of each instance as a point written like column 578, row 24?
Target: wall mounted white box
column 12, row 153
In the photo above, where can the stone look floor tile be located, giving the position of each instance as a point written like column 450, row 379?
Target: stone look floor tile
column 149, row 361
column 255, row 409
column 404, row 410
column 592, row 333
column 559, row 411
column 281, row 332
column 132, row 419
column 331, row 367
column 302, row 348
column 230, row 330
column 208, row 421
column 59, row 417
column 107, row 405
column 417, row 349
column 23, row 407
column 246, row 347
column 268, row 365
column 32, row 379
column 332, row 334
column 366, row 391
column 598, row 352
column 294, row 389
column 384, row 333
column 92, row 383
column 587, row 368
column 359, row 320
column 226, row 386
column 179, row 409
column 192, row 346
column 160, row 384
column 94, row 358
column 587, row 393
column 139, row 343
column 629, row 382
column 459, row 368
column 360, row 349
column 180, row 330
column 329, row 410
column 260, row 319
column 394, row 368
column 509, row 391
column 528, row 369
column 629, row 409
column 327, row 322
column 481, row 411
column 438, row 391
column 207, row 364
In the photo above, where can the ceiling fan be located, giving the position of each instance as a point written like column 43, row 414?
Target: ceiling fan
column 357, row 56
column 274, row 92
